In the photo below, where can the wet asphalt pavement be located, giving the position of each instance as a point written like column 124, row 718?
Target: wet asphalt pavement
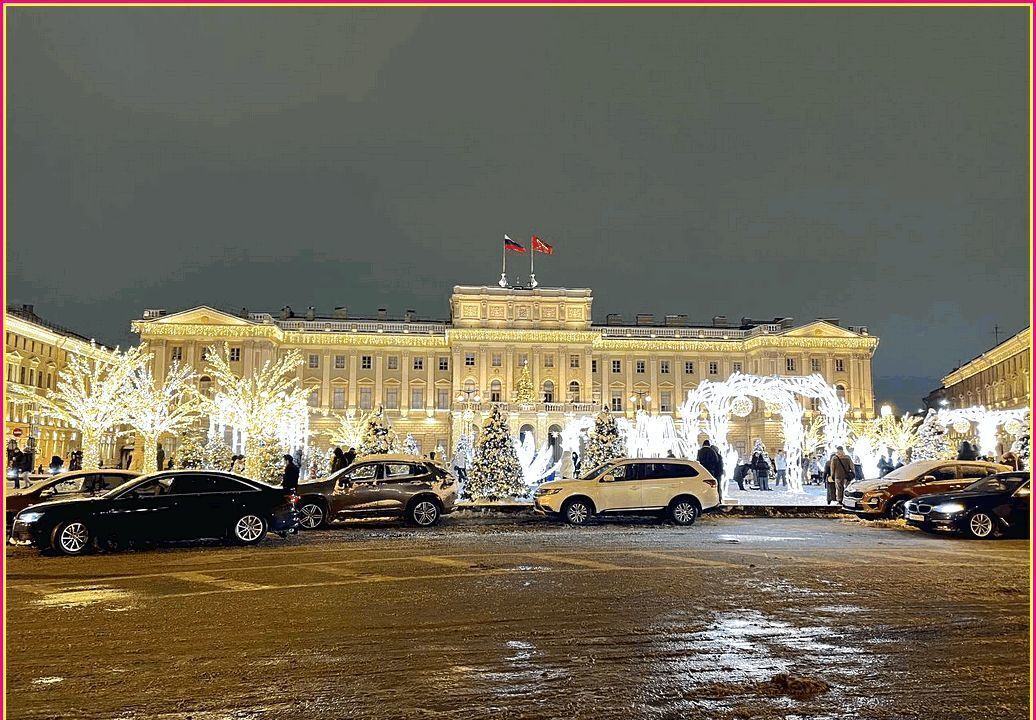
column 514, row 617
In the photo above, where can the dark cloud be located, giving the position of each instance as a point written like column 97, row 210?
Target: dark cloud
column 863, row 163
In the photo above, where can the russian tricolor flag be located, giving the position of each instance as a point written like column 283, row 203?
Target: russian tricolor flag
column 510, row 244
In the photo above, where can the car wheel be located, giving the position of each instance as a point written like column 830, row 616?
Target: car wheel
column 312, row 515
column 683, row 512
column 423, row 513
column 897, row 509
column 249, row 529
column 71, row 537
column 980, row 525
column 576, row 512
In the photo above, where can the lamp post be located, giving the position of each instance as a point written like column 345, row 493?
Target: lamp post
column 640, row 399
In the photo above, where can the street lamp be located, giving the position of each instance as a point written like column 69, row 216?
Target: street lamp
column 640, row 399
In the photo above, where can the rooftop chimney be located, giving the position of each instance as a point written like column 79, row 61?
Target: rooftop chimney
column 311, row 313
column 645, row 319
column 719, row 321
column 676, row 320
column 286, row 312
column 28, row 308
column 382, row 313
column 341, row 312
column 613, row 319
column 409, row 316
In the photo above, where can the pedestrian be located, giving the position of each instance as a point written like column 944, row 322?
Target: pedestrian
column 967, row 451
column 337, row 460
column 55, row 464
column 350, row 456
column 761, row 465
column 575, row 464
column 460, row 465
column 884, row 466
column 739, row 473
column 290, row 480
column 781, row 462
column 237, row 464
column 313, row 470
column 712, row 461
column 670, row 454
column 160, row 456
column 431, row 456
column 840, row 472
column 857, row 466
column 169, row 462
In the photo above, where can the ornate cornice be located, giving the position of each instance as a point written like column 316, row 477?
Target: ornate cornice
column 148, row 330
column 1004, row 351
column 559, row 337
column 366, row 340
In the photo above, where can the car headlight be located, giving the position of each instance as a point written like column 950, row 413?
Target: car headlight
column 949, row 508
column 29, row 517
column 548, row 491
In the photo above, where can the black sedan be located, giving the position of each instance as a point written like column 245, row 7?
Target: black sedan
column 994, row 505
column 174, row 505
column 77, row 483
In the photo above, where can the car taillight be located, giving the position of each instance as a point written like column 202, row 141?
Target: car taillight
column 292, row 499
column 710, row 482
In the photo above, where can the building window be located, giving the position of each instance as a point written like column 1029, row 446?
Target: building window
column 523, row 359
column 498, row 359
column 573, row 361
column 365, row 398
column 839, row 365
column 616, row 400
column 338, row 399
column 593, row 366
column 314, row 397
column 688, row 368
column 840, row 391
column 548, row 392
column 713, row 368
column 314, row 361
column 418, row 363
column 814, row 364
column 442, row 398
column 204, row 354
column 641, row 366
column 393, row 362
column 176, row 355
column 444, row 363
column 814, row 404
column 417, row 398
column 616, row 366
column 737, row 367
column 392, row 398
column 665, row 403
column 469, row 359
column 235, row 354
column 339, row 362
column 789, row 364
column 548, row 360
column 365, row 362
column 663, row 367
column 573, row 391
column 494, row 391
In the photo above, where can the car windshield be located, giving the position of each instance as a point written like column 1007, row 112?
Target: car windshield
column 996, row 484
column 597, row 471
column 69, row 485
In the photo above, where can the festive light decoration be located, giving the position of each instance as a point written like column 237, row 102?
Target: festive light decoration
column 604, row 443
column 349, row 430
column 931, row 443
column 1022, row 447
column 156, row 408
column 269, row 460
column 653, row 436
column 813, row 436
column 536, row 463
column 523, row 390
column 900, row 433
column 87, row 397
column 270, row 403
column 1014, row 427
column 741, row 406
column 986, row 422
column 717, row 398
column 191, row 452
column 217, row 453
column 961, row 426
column 495, row 470
column 410, row 445
column 375, row 438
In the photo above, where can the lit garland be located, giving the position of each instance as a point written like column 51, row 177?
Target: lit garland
column 270, row 404
column 154, row 409
column 537, row 463
column 986, row 422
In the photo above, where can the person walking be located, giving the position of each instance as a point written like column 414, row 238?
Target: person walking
column 160, row 456
column 460, row 465
column 781, row 463
column 840, row 472
column 337, row 460
column 857, row 465
column 290, row 481
column 884, row 466
column 712, row 461
column 761, row 465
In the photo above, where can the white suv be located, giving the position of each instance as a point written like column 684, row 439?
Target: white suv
column 680, row 489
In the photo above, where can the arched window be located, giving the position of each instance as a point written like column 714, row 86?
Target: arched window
column 548, row 391
column 573, row 391
column 205, row 385
column 494, row 391
column 527, row 430
column 840, row 391
column 554, row 441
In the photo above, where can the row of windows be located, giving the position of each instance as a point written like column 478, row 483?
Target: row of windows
column 29, row 376
column 39, row 348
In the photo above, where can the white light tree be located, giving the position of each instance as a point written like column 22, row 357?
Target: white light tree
column 87, row 397
column 604, row 443
column 987, row 422
column 270, row 403
column 537, row 463
column 376, row 437
column 495, row 471
column 154, row 408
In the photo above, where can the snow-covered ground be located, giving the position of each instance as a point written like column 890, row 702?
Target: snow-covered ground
column 810, row 495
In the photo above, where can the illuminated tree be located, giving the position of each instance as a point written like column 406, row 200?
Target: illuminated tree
column 604, row 442
column 270, row 401
column 154, row 408
column 375, row 438
column 349, row 430
column 87, row 397
column 900, row 433
column 495, row 470
column 932, row 441
column 217, row 453
column 191, row 453
column 410, row 445
column 523, row 390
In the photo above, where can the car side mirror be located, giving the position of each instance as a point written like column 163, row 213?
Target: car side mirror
column 607, row 477
column 928, row 478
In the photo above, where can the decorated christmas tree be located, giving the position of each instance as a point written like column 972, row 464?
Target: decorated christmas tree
column 495, row 472
column 217, row 453
column 932, row 443
column 523, row 391
column 410, row 445
column 604, row 442
column 1022, row 446
column 271, row 460
column 191, row 452
column 463, row 447
column 376, row 438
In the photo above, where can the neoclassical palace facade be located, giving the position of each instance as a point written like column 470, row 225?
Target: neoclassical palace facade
column 998, row 378
column 432, row 377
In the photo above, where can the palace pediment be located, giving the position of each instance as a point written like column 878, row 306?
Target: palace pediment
column 820, row 329
column 203, row 315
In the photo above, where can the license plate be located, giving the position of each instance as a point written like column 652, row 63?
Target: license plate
column 915, row 516
column 849, row 502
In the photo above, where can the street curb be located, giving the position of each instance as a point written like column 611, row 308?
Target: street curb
column 770, row 511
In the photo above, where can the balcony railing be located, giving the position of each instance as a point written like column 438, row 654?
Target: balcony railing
column 359, row 326
column 688, row 333
column 554, row 407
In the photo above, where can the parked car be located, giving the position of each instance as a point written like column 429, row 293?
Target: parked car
column 888, row 496
column 77, row 483
column 679, row 489
column 998, row 504
column 418, row 490
column 171, row 505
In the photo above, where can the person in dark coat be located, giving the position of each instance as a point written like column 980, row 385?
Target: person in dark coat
column 711, row 460
column 291, row 473
column 55, row 464
column 338, row 461
column 761, row 465
column 967, row 451
column 350, row 457
column 739, row 475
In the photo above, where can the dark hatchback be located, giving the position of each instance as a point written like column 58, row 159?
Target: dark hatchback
column 77, row 483
column 173, row 505
column 995, row 505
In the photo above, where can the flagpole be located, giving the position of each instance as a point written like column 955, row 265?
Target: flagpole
column 532, row 264
column 503, row 268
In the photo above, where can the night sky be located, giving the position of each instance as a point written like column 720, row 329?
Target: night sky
column 868, row 164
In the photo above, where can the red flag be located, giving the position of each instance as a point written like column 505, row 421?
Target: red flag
column 540, row 246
